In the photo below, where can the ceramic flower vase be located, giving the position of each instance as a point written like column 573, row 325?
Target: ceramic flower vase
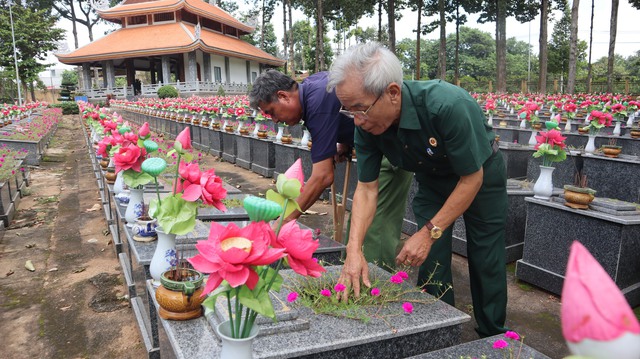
column 532, row 139
column 490, row 119
column 240, row 126
column 134, row 208
column 591, row 144
column 118, row 185
column 280, row 133
column 305, row 138
column 233, row 348
column 523, row 123
column 256, row 129
column 543, row 189
column 632, row 117
column 567, row 126
column 145, row 229
column 587, row 119
column 616, row 130
column 165, row 255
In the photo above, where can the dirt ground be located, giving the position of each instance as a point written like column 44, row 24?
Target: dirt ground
column 74, row 304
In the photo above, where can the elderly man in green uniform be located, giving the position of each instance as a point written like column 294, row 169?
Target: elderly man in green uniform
column 438, row 131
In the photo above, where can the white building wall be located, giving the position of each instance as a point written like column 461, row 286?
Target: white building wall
column 217, row 61
column 238, row 70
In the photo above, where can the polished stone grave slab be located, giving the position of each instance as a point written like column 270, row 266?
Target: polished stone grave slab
column 431, row 326
column 263, row 157
column 229, row 149
column 483, row 348
column 243, row 151
column 551, row 228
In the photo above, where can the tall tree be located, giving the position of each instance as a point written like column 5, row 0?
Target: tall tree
column 612, row 43
column 573, row 47
column 459, row 19
column 35, row 36
column 542, row 44
column 442, row 50
column 497, row 11
column 589, row 66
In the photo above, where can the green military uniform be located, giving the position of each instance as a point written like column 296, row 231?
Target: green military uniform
column 443, row 135
column 382, row 241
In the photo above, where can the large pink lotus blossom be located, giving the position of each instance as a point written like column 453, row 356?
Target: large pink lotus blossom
column 129, row 156
column 231, row 253
column 300, row 246
column 552, row 137
column 131, row 137
column 592, row 305
column 190, row 172
column 209, row 189
column 144, row 131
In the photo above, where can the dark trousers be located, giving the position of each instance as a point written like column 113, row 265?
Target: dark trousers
column 485, row 222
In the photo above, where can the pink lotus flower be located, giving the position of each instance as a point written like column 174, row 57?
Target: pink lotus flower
column 231, row 253
column 190, row 172
column 552, row 137
column 144, row 130
column 131, row 137
column 129, row 157
column 592, row 305
column 295, row 171
column 299, row 245
column 209, row 189
column 184, row 138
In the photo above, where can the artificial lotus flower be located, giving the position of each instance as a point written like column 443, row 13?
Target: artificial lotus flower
column 289, row 186
column 190, row 172
column 300, row 246
column 144, row 132
column 183, row 140
column 231, row 253
column 550, row 146
column 597, row 321
column 129, row 156
column 209, row 189
column 552, row 137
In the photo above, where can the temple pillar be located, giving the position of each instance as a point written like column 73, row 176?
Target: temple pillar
column 248, row 72
column 192, row 68
column 131, row 72
column 206, row 62
column 86, row 77
column 111, row 75
column 152, row 69
column 227, row 70
column 104, row 74
column 166, row 70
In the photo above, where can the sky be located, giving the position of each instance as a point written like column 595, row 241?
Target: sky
column 627, row 39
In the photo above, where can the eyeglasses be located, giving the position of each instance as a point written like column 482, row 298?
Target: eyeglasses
column 362, row 114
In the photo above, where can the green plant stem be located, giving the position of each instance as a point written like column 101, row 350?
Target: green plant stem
column 284, row 210
column 238, row 313
column 157, row 191
column 230, row 318
column 175, row 181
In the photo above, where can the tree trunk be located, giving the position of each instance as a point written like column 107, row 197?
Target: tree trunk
column 442, row 50
column 262, row 28
column 573, row 48
column 501, row 46
column 542, row 42
column 392, row 25
column 612, row 43
column 589, row 74
column 380, row 21
column 284, row 33
column 456, row 73
column 293, row 63
column 74, row 27
column 418, row 33
column 319, row 37
column 32, row 91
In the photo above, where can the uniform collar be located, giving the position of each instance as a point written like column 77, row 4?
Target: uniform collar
column 300, row 91
column 409, row 115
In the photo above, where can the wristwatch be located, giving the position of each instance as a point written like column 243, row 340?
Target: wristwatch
column 435, row 231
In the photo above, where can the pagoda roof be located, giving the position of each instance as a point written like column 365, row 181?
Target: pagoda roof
column 165, row 39
column 198, row 7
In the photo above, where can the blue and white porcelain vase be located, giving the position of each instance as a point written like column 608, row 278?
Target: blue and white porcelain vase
column 165, row 255
column 134, row 208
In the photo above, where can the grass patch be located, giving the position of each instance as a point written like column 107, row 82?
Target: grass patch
column 524, row 286
column 49, row 199
column 511, row 268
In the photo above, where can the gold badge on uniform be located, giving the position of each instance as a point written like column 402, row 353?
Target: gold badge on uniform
column 433, row 142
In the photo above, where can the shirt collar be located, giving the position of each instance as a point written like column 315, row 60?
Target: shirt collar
column 409, row 116
column 300, row 91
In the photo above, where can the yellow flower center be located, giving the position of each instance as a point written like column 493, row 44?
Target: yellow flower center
column 236, row 242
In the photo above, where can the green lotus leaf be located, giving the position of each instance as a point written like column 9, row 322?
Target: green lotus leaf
column 134, row 179
column 523, row 115
column 176, row 215
column 150, row 146
column 154, row 166
column 260, row 209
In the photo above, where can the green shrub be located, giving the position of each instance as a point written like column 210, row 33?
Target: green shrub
column 167, row 91
column 68, row 107
column 220, row 91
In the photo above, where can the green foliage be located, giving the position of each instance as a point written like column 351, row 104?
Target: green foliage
column 167, row 91
column 69, row 78
column 68, row 107
column 220, row 91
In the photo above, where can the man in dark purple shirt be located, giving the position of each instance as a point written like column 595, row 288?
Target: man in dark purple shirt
column 287, row 101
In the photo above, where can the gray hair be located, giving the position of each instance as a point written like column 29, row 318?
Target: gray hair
column 375, row 64
column 266, row 86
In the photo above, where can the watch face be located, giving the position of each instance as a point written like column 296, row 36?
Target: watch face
column 436, row 233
